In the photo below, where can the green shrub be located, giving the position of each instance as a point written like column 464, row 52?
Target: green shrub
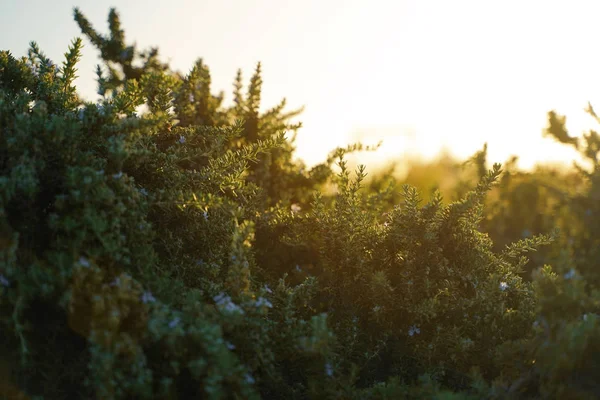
column 181, row 252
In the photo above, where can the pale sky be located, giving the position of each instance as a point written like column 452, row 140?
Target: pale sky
column 418, row 74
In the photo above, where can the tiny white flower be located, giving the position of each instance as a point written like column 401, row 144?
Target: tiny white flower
column 100, row 172
column 147, row 297
column 298, row 268
column 589, row 315
column 174, row 322
column 295, row 208
column 205, row 214
column 3, row 281
column 118, row 175
column 116, row 282
column 182, row 139
column 503, row 286
column 191, row 98
column 268, row 289
column 144, row 191
column 376, row 309
column 84, row 262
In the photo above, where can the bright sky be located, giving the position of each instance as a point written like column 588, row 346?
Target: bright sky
column 419, row 74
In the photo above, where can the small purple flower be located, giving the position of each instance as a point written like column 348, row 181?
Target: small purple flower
column 182, row 139
column 249, row 379
column 232, row 307
column 225, row 303
column 174, row 322
column 118, row 175
column 413, row 330
column 3, row 281
column 143, row 192
column 261, row 301
column 268, row 289
column 84, row 262
column 116, row 282
column 570, row 274
column 147, row 297
column 328, row 369
column 230, row 346
column 221, row 298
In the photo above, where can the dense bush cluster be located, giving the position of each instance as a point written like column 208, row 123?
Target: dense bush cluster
column 157, row 244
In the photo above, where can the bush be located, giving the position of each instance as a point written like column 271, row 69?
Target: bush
column 182, row 252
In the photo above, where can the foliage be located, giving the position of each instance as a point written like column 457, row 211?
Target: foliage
column 158, row 244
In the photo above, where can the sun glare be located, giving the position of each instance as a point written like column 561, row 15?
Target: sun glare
column 457, row 74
